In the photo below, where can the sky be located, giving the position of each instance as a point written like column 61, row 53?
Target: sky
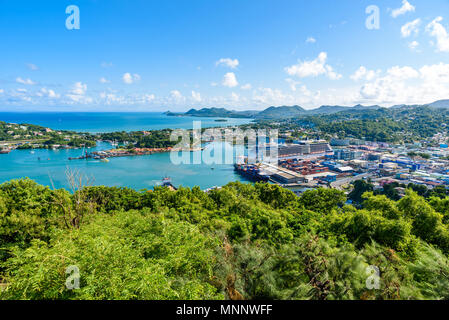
column 148, row 55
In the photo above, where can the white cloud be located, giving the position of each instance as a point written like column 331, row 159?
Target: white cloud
column 402, row 73
column 2, row 91
column 78, row 93
column 407, row 85
column 292, row 83
column 231, row 63
column 230, row 80
column 247, row 86
column 44, row 92
column 310, row 40
column 129, row 78
column 410, row 27
column 235, row 97
column 79, row 88
column 438, row 73
column 413, row 45
column 196, row 96
column 104, row 80
column 25, row 81
column 406, row 7
column 364, row 74
column 313, row 68
column 176, row 96
column 32, row 67
column 437, row 30
column 147, row 98
column 271, row 96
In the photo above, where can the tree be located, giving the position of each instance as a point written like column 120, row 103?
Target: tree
column 322, row 200
column 360, row 187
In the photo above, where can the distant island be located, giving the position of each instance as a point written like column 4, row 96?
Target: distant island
column 286, row 112
column 214, row 113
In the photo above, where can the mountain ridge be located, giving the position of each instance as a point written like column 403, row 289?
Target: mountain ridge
column 286, row 112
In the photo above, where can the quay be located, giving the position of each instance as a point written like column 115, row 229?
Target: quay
column 114, row 153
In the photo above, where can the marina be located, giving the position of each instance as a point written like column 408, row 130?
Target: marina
column 48, row 167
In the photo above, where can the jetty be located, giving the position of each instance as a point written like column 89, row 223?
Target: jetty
column 114, row 153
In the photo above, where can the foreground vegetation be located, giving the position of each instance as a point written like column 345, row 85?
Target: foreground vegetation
column 240, row 242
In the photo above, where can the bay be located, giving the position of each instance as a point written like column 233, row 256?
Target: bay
column 48, row 167
column 95, row 122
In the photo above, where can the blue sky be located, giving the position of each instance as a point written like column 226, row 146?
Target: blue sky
column 159, row 55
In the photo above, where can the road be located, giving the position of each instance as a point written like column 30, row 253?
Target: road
column 339, row 183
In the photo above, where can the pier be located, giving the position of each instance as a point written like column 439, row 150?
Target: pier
column 114, row 153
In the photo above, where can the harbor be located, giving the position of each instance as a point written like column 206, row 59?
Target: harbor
column 114, row 153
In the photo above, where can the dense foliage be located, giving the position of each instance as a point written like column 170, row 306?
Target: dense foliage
column 397, row 125
column 242, row 241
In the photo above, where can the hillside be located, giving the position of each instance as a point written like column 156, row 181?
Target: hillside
column 243, row 241
column 287, row 112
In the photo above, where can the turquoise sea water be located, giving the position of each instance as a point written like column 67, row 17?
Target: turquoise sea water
column 48, row 167
column 114, row 121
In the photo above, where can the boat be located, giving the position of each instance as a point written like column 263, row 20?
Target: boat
column 166, row 182
column 5, row 151
column 104, row 160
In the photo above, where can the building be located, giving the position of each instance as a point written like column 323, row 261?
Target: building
column 304, row 150
column 344, row 154
column 340, row 142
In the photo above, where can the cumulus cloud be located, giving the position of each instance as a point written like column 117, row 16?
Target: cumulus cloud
column 235, row 97
column 176, row 97
column 104, row 80
column 25, row 81
column 49, row 93
column 408, row 85
column 247, row 86
column 363, row 73
column 79, row 88
column 231, row 63
column 402, row 73
column 196, row 96
column 149, row 97
column 413, row 45
column 410, row 27
column 310, row 40
column 78, row 93
column 406, row 7
column 313, row 68
column 230, row 80
column 292, row 83
column 129, row 78
column 271, row 96
column 437, row 30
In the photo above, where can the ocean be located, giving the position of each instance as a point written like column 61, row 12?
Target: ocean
column 95, row 122
column 48, row 167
